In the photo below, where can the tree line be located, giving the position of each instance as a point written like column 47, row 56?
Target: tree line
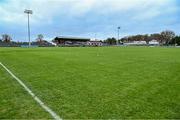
column 166, row 37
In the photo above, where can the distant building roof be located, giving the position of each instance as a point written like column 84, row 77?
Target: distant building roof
column 71, row 38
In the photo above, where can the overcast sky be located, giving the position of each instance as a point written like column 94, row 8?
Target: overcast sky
column 87, row 18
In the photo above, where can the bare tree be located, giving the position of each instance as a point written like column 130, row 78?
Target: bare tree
column 6, row 38
column 167, row 36
column 40, row 38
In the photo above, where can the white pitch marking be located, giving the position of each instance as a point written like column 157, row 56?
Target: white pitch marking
column 45, row 107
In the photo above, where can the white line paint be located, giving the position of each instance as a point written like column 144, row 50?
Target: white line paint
column 45, row 107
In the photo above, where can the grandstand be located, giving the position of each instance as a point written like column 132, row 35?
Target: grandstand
column 70, row 41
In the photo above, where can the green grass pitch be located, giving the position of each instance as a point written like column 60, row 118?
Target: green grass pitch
column 94, row 83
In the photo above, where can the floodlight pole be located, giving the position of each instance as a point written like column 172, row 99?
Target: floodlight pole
column 29, row 36
column 118, row 35
column 95, row 36
column 28, row 12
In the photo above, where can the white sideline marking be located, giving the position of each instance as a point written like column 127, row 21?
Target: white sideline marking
column 46, row 108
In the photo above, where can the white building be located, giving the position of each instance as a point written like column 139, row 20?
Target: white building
column 153, row 43
column 94, row 43
column 136, row 43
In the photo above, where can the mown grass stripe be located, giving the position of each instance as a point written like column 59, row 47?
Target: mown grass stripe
column 45, row 107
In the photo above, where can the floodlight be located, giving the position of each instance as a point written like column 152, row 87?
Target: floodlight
column 28, row 12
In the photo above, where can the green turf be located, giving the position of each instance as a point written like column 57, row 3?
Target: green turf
column 95, row 83
column 14, row 101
